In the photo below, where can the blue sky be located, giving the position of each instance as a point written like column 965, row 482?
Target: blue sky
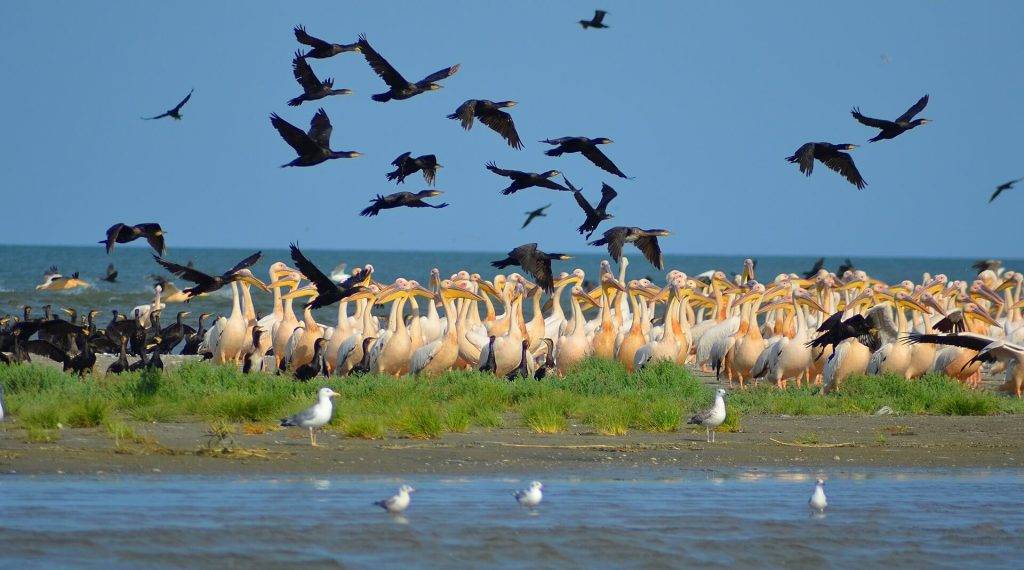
column 703, row 100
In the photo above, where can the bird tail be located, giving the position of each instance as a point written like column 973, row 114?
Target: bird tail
column 381, row 97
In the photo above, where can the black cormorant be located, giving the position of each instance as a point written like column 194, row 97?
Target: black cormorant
column 209, row 283
column 313, row 147
column 400, row 199
column 327, row 291
column 312, row 87
column 123, row 233
column 538, row 213
column 406, row 165
column 588, row 148
column 596, row 22
column 400, row 87
column 321, row 49
column 832, row 156
column 174, row 113
column 1003, row 188
column 533, row 261
column 522, row 180
column 645, row 240
column 490, row 113
column 892, row 129
column 594, row 215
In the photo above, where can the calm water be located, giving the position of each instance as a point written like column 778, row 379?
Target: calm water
column 876, row 518
column 22, row 267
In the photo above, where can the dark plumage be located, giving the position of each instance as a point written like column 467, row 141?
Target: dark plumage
column 405, row 165
column 523, row 370
column 315, row 367
column 834, row 330
column 174, row 333
column 594, row 215
column 123, row 233
column 194, row 339
column 645, row 240
column 522, row 180
column 892, row 129
column 208, row 283
column 588, row 148
column 363, row 367
column 1003, row 188
column 174, row 113
column 399, row 87
column 596, row 22
column 549, row 360
column 830, row 155
column 312, row 87
column 845, row 266
column 121, row 364
column 327, row 291
column 111, row 276
column 533, row 261
column 538, row 213
column 490, row 363
column 321, row 49
column 989, row 264
column 313, row 147
column 400, row 199
column 490, row 113
column 818, row 266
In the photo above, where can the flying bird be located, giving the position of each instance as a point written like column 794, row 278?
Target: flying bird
column 991, row 264
column 588, row 148
column 1003, row 188
column 490, row 113
column 174, row 113
column 321, row 49
column 329, row 292
column 892, row 129
column 645, row 240
column 845, row 266
column 111, row 274
column 313, row 147
column 123, row 233
column 818, row 266
column 205, row 283
column 312, row 88
column 406, row 165
column 400, row 199
column 596, row 22
column 399, row 87
column 533, row 261
column 830, row 155
column 594, row 215
column 523, row 180
column 538, row 213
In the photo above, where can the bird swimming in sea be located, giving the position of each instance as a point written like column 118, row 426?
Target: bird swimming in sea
column 892, row 129
column 327, row 291
column 523, row 180
column 531, row 496
column 588, row 148
column 397, row 503
column 594, row 215
column 538, row 213
column 406, row 165
column 399, row 87
column 818, row 501
column 596, row 22
column 312, row 87
column 645, row 240
column 205, row 283
column 123, row 233
column 490, row 113
column 1003, row 188
column 111, row 276
column 315, row 416
column 712, row 417
column 533, row 261
column 321, row 49
column 174, row 113
column 53, row 280
column 313, row 147
column 400, row 199
column 832, row 156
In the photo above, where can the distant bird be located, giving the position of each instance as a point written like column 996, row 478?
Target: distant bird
column 174, row 113
column 845, row 266
column 313, row 147
column 312, row 88
column 830, row 155
column 594, row 215
column 400, row 199
column 111, row 274
column 993, row 265
column 315, row 416
column 892, row 129
column 531, row 496
column 397, row 503
column 490, row 113
column 406, row 165
column 533, row 261
column 538, row 213
column 327, row 291
column 123, row 233
column 596, row 22
column 588, row 148
column 645, row 240
column 209, row 283
column 712, row 417
column 399, row 87
column 818, row 266
column 321, row 49
column 818, row 501
column 1003, row 188
column 523, row 180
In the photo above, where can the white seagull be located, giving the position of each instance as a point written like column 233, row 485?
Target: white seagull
column 711, row 417
column 315, row 416
column 397, row 503
column 531, row 496
column 1, row 402
column 818, row 501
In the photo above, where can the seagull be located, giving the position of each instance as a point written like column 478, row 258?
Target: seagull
column 818, row 501
column 711, row 417
column 531, row 496
column 174, row 113
column 397, row 503
column 1, row 403
column 315, row 416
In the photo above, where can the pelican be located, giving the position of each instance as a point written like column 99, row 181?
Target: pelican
column 441, row 354
column 54, row 281
column 572, row 346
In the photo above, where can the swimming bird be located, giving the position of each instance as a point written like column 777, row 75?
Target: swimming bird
column 530, row 496
column 588, row 148
column 327, row 291
column 538, row 213
column 818, row 501
column 490, row 113
column 596, row 22
column 645, row 240
column 892, row 129
column 399, row 87
column 174, row 113
column 406, row 165
column 209, row 283
column 313, row 147
column 315, row 367
column 832, row 156
column 397, row 503
column 315, row 416
column 523, row 180
column 111, row 276
column 312, row 87
column 400, row 199
column 712, row 417
column 321, row 49
column 533, row 261
column 1003, row 188
column 594, row 215
column 123, row 233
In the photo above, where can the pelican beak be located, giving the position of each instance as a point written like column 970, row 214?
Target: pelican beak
column 808, row 300
column 913, row 304
column 420, row 291
column 1006, row 284
column 576, row 279
column 360, row 295
column 389, row 294
column 931, row 302
column 608, row 284
column 254, row 282
column 67, row 311
column 989, row 294
column 983, row 317
column 460, row 293
column 290, row 282
column 775, row 291
column 487, row 288
column 307, row 291
column 805, row 283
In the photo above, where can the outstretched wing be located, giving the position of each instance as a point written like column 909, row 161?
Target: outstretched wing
column 502, row 172
column 868, row 121
column 45, row 348
column 915, row 109
column 182, row 103
column 187, row 273
column 321, row 281
column 551, row 184
column 595, row 155
column 154, row 236
column 651, row 249
column 245, row 263
column 607, row 195
column 995, row 194
column 305, row 38
column 818, row 265
column 464, row 113
column 380, row 66
column 304, row 74
column 598, row 16
column 115, row 229
column 439, row 75
column 843, row 164
column 320, row 129
column 969, row 341
column 501, row 123
column 294, row 136
column 582, row 201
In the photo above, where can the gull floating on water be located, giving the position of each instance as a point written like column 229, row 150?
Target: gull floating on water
column 711, row 417
column 531, row 496
column 818, row 501
column 397, row 503
column 315, row 416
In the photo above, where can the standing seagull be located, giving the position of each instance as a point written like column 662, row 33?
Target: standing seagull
column 123, row 233
column 399, row 199
column 596, row 22
column 399, row 87
column 321, row 49
column 645, row 240
column 490, row 114
column 174, row 113
column 397, row 503
column 818, row 501
column 1003, row 188
column 315, row 416
column 711, row 417
column 533, row 261
column 313, row 147
column 594, row 215
column 586, row 147
column 830, row 155
column 893, row 129
column 538, row 213
column 531, row 496
column 406, row 165
column 312, row 87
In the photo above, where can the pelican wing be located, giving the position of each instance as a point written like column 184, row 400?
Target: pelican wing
column 424, row 355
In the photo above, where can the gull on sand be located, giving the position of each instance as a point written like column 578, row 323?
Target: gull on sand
column 315, row 416
column 711, row 417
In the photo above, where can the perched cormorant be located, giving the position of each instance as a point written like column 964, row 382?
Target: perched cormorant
column 315, row 367
column 586, row 147
column 254, row 360
column 121, row 364
column 892, row 129
column 399, row 199
column 363, row 367
column 174, row 113
column 193, row 340
column 549, row 360
column 327, row 291
column 645, row 240
column 490, row 363
column 523, row 370
column 830, row 155
column 522, row 180
column 400, row 87
column 321, row 49
column 123, row 233
column 1003, row 188
column 174, row 333
column 594, row 215
column 533, row 261
column 490, row 113
column 208, row 283
column 406, row 165
column 313, row 147
column 111, row 274
column 596, row 22
column 312, row 87
column 538, row 213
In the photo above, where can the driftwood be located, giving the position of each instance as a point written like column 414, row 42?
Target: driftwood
column 815, row 445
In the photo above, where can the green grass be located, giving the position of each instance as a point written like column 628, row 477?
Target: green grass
column 596, row 395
